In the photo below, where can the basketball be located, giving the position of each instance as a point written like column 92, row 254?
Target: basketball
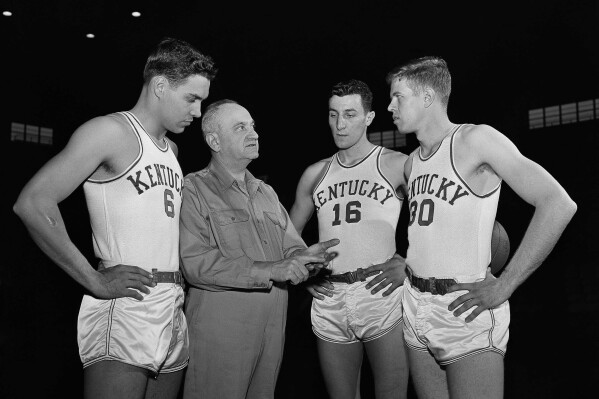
column 500, row 248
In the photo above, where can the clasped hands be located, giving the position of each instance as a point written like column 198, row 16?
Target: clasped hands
column 298, row 267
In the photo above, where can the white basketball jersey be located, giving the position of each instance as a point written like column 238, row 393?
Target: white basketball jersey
column 450, row 227
column 135, row 215
column 357, row 205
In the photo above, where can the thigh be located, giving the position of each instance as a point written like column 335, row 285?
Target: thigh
column 430, row 381
column 114, row 380
column 340, row 365
column 166, row 386
column 476, row 376
column 388, row 361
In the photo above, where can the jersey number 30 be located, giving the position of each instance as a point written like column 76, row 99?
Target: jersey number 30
column 425, row 214
column 352, row 213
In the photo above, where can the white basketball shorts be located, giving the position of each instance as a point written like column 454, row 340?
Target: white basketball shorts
column 150, row 334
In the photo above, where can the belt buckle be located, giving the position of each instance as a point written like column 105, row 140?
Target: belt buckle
column 178, row 277
column 154, row 271
column 351, row 277
column 433, row 285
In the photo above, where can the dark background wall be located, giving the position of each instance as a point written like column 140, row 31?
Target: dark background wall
column 280, row 62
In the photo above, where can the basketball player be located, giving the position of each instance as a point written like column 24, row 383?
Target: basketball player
column 132, row 334
column 354, row 193
column 456, row 313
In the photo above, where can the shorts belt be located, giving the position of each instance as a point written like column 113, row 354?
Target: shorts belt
column 351, row 277
column 436, row 286
column 167, row 277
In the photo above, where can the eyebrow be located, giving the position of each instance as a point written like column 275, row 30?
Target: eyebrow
column 344, row 110
column 195, row 97
column 244, row 123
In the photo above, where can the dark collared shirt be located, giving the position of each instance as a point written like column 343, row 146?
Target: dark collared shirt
column 225, row 231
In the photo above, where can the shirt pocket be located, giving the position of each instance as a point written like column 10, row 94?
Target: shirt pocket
column 275, row 226
column 232, row 229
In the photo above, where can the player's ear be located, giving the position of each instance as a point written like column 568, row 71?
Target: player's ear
column 369, row 118
column 429, row 96
column 158, row 85
column 212, row 141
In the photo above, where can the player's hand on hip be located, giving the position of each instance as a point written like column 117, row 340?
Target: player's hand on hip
column 485, row 294
column 123, row 281
column 319, row 287
column 391, row 274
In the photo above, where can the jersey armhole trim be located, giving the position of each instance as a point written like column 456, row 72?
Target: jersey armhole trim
column 380, row 170
column 455, row 170
column 132, row 165
column 326, row 172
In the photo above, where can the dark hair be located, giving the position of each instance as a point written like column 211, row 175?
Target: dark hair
column 210, row 122
column 177, row 60
column 354, row 86
column 424, row 72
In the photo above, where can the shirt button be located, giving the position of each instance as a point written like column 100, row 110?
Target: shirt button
column 265, row 242
column 232, row 218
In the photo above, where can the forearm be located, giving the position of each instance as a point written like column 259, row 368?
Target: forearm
column 543, row 232
column 46, row 227
column 206, row 267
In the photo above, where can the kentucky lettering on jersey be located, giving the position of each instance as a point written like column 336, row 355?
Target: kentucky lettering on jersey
column 361, row 188
column 155, row 175
column 441, row 187
column 357, row 205
column 135, row 215
column 450, row 226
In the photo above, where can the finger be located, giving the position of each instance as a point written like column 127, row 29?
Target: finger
column 315, row 294
column 142, row 279
column 325, row 284
column 328, row 244
column 479, row 309
column 133, row 270
column 460, row 300
column 379, row 287
column 133, row 294
column 373, row 268
column 303, row 259
column 460, row 287
column 329, row 256
column 464, row 307
column 322, row 290
column 138, row 286
column 375, row 281
column 392, row 288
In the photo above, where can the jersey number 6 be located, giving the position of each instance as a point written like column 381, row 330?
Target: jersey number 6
column 169, row 207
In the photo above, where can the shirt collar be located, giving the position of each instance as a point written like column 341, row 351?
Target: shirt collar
column 227, row 180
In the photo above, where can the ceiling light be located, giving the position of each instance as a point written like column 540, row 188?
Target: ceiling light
column 136, row 14
column 6, row 13
column 90, row 35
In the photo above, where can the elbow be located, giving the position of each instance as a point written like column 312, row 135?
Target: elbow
column 567, row 207
column 571, row 207
column 20, row 208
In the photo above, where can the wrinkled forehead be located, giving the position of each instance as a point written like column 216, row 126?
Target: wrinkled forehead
column 230, row 115
column 346, row 103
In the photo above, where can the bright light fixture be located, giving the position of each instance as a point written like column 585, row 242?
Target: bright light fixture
column 136, row 14
column 6, row 13
column 90, row 35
